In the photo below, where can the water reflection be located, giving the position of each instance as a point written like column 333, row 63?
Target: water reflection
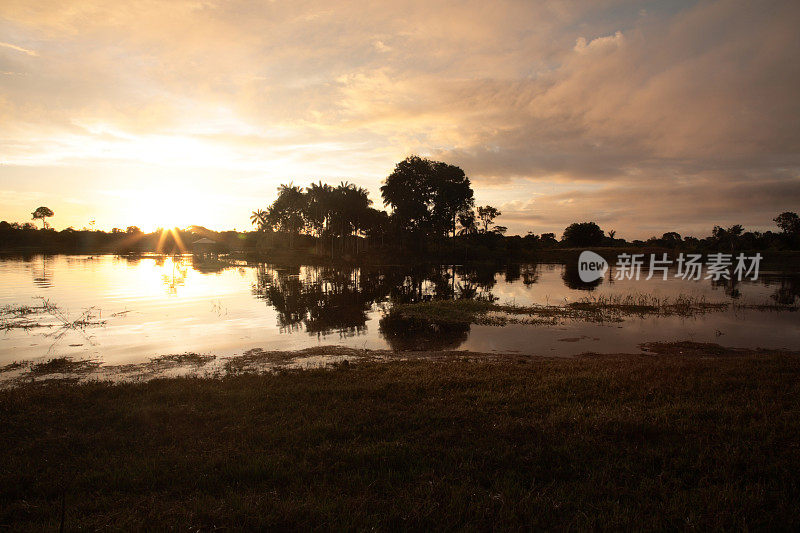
column 788, row 290
column 166, row 304
column 42, row 273
column 321, row 300
column 324, row 300
column 176, row 277
column 572, row 278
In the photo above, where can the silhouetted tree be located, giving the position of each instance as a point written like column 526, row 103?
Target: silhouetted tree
column 789, row 223
column 727, row 237
column 548, row 239
column 409, row 191
column 468, row 222
column 671, row 238
column 42, row 213
column 259, row 218
column 499, row 230
column 583, row 234
column 348, row 211
column 452, row 195
column 286, row 212
column 487, row 214
column 427, row 196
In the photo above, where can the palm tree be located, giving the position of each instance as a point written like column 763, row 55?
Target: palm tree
column 286, row 212
column 259, row 218
column 318, row 209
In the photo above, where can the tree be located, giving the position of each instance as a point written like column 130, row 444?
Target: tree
column 487, row 214
column 319, row 204
column 427, row 196
column 727, row 237
column 583, row 234
column 467, row 220
column 548, row 239
column 349, row 210
column 789, row 223
column 318, row 209
column 409, row 191
column 42, row 213
column 259, row 218
column 671, row 238
column 452, row 195
column 286, row 212
column 376, row 224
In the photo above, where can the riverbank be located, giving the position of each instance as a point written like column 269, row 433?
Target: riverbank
column 683, row 436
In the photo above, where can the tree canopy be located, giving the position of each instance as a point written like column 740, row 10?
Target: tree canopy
column 427, row 196
column 583, row 234
column 42, row 213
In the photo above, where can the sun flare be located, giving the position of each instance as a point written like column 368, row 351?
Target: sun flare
column 168, row 208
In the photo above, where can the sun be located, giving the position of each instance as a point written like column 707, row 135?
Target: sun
column 167, row 209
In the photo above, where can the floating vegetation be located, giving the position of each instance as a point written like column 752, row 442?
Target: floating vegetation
column 176, row 360
column 34, row 317
column 700, row 349
column 21, row 317
column 164, row 363
column 257, row 360
column 646, row 304
column 16, row 365
column 63, row 365
column 440, row 316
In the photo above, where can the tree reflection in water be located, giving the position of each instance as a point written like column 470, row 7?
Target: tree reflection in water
column 326, row 300
column 788, row 290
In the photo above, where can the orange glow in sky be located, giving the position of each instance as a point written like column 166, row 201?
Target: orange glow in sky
column 642, row 116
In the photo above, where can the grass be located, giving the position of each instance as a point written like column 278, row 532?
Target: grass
column 63, row 365
column 593, row 309
column 686, row 436
column 19, row 317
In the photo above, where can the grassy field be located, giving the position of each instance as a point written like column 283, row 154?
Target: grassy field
column 688, row 436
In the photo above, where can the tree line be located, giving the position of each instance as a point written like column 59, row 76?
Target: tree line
column 432, row 208
column 430, row 202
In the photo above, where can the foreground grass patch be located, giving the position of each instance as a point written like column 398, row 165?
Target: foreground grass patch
column 651, row 441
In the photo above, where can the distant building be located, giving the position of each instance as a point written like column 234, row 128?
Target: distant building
column 204, row 247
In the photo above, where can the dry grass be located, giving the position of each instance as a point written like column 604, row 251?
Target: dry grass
column 668, row 440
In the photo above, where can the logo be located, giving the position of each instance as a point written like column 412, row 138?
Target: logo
column 591, row 266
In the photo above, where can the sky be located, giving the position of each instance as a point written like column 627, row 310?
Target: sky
column 644, row 117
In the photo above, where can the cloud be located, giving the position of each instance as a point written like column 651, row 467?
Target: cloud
column 612, row 104
column 18, row 49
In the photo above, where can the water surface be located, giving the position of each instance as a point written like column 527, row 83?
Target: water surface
column 151, row 306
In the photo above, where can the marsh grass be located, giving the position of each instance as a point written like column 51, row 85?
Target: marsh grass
column 182, row 359
column 641, row 304
column 257, row 360
column 63, row 365
column 22, row 317
column 657, row 441
column 604, row 308
column 15, row 365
